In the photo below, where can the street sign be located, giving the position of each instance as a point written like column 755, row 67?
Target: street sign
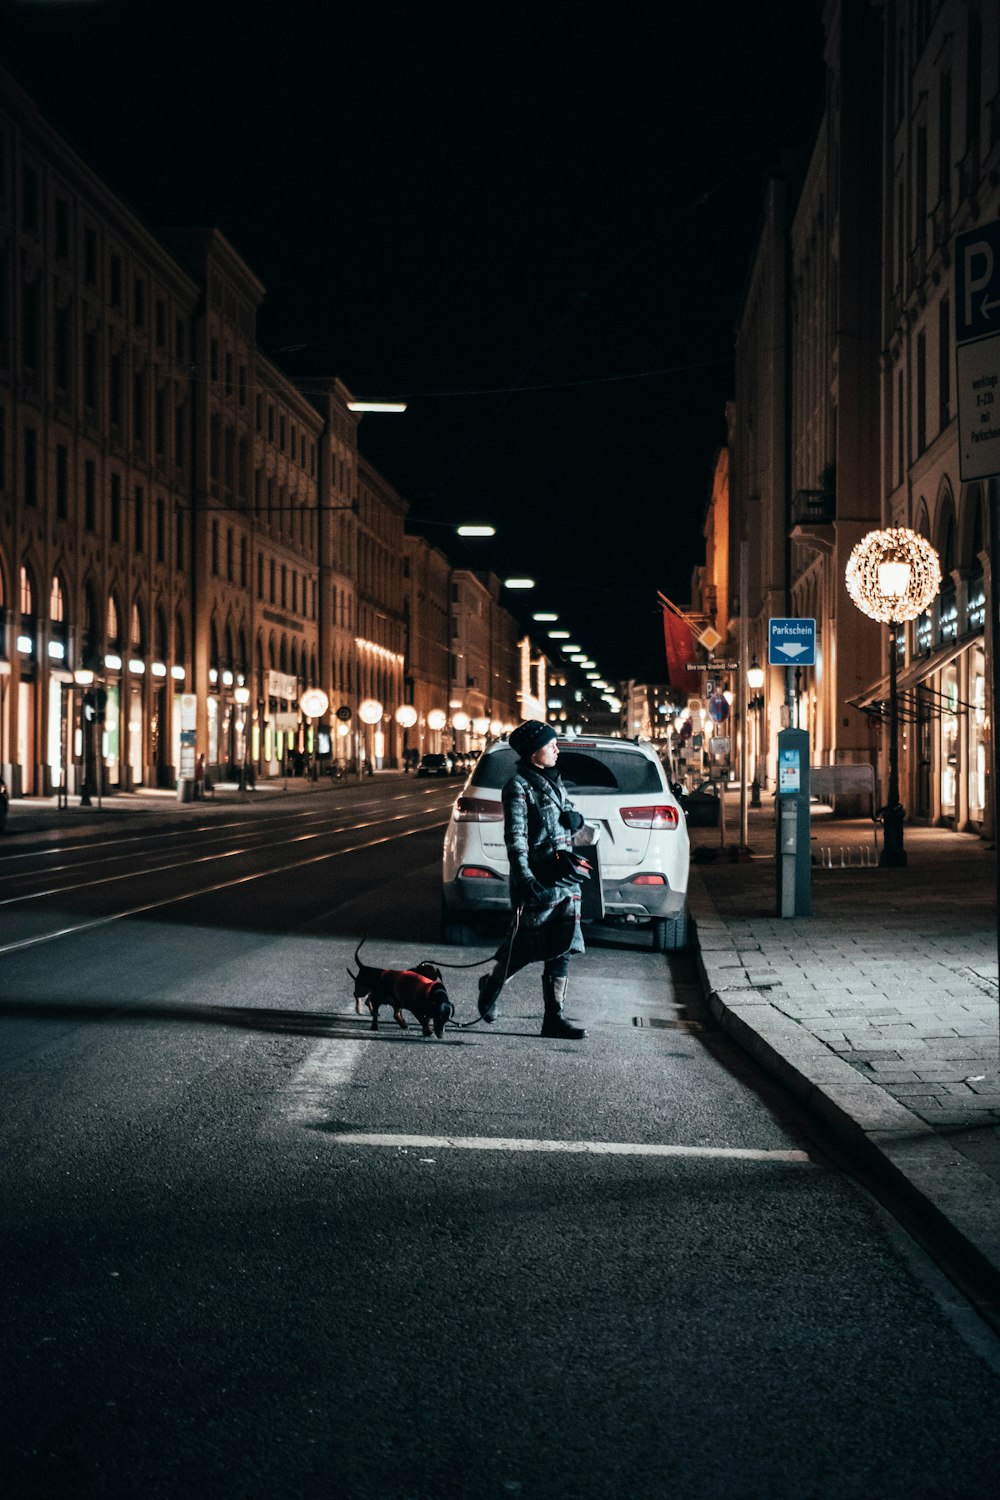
column 718, row 708
column 717, row 665
column 343, row 713
column 719, row 744
column 977, row 351
column 977, row 283
column 791, row 643
column 978, row 388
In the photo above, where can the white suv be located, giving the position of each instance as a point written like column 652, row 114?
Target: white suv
column 619, row 786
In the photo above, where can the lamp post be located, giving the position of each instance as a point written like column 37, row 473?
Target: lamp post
column 755, row 681
column 242, row 696
column 892, row 576
column 406, row 717
column 370, row 713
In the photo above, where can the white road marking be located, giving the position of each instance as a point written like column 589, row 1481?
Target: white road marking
column 580, row 1148
column 329, row 1066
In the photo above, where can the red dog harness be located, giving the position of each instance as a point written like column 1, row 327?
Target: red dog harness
column 405, row 986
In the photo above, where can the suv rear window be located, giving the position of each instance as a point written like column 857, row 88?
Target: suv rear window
column 591, row 772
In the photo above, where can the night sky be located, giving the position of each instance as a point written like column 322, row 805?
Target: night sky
column 532, row 221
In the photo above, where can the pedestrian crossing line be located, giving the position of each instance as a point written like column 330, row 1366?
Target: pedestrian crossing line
column 330, row 1065
column 577, row 1148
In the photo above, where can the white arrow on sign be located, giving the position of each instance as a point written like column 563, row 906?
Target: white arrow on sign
column 988, row 306
column 792, row 648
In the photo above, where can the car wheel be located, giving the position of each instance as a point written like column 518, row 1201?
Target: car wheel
column 670, row 933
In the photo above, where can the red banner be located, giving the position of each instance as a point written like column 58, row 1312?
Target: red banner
column 679, row 642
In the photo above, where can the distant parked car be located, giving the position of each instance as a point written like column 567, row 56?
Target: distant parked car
column 4, row 804
column 435, row 765
column 701, row 807
column 620, row 788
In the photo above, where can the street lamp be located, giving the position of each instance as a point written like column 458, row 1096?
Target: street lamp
column 370, row 713
column 892, row 576
column 406, row 717
column 755, row 681
column 242, row 696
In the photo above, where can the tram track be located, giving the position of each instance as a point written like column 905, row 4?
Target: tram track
column 424, row 819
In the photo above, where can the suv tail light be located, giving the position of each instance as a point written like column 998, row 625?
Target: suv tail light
column 648, row 880
column 478, row 810
column 663, row 815
column 476, row 872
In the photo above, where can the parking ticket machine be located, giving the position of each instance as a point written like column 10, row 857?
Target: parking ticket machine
column 792, row 856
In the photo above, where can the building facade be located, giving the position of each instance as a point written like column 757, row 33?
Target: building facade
column 189, row 539
column 941, row 155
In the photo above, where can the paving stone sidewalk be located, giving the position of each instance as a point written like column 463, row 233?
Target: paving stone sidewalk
column 880, row 1010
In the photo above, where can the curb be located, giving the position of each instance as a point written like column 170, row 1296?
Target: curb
column 945, row 1188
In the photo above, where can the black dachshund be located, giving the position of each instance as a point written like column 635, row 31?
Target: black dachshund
column 419, row 990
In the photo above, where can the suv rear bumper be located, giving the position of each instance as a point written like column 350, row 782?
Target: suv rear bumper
column 622, row 898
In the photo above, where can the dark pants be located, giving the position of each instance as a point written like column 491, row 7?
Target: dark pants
column 557, row 968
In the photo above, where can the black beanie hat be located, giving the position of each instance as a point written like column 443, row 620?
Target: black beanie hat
column 529, row 737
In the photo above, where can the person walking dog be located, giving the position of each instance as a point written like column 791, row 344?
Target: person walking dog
column 539, row 824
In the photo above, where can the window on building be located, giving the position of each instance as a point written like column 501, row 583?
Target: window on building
column 944, row 363
column 61, row 350
column 920, row 192
column 973, row 78
column 30, row 495
column 90, row 256
column 62, row 481
column 115, row 280
column 213, row 359
column 62, row 228
column 180, row 433
column 139, row 302
column 229, row 374
column 215, row 549
column 161, row 530
column 944, row 138
column 139, row 509
column 116, row 508
column 90, row 366
column 139, row 409
column 900, row 430
column 229, row 554
column 29, row 199
column 160, row 421
column 116, row 389
column 161, row 323
column 921, row 373
column 90, row 494
column 179, row 540
column 31, row 326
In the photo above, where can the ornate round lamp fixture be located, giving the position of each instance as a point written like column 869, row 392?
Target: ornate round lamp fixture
column 893, row 575
column 370, row 711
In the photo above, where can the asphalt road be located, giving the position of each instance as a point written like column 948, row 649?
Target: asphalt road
column 252, row 1249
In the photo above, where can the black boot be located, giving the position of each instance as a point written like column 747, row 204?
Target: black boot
column 554, row 991
column 489, row 995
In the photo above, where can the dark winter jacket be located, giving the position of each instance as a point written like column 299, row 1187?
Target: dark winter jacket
column 534, row 832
